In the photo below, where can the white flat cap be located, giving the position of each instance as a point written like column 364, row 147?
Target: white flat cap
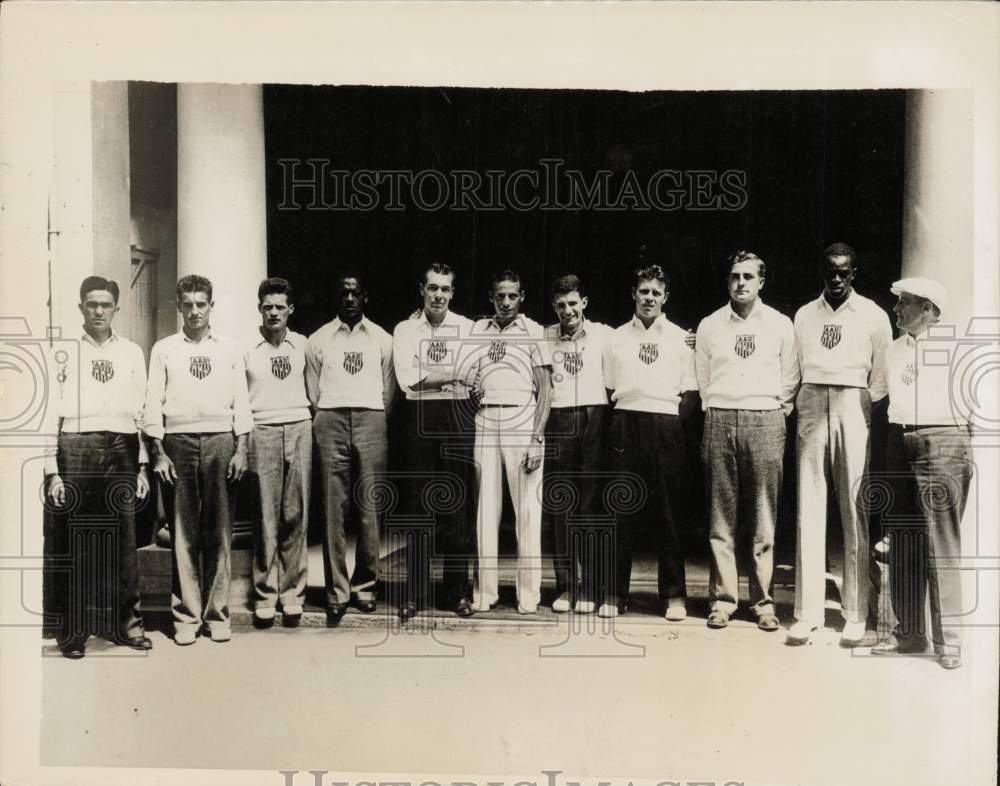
column 928, row 288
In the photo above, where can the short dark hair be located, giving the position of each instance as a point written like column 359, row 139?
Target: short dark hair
column 441, row 269
column 841, row 250
column 92, row 283
column 566, row 284
column 339, row 280
column 275, row 286
column 504, row 275
column 650, row 273
column 194, row 283
column 747, row 256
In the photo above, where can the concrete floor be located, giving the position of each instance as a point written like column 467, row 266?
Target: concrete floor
column 650, row 699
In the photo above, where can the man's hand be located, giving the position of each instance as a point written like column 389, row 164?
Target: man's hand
column 533, row 457
column 237, row 466
column 142, row 482
column 163, row 468
column 57, row 491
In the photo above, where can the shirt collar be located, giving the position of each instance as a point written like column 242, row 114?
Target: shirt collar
column 659, row 323
column 518, row 321
column 849, row 303
column 90, row 339
column 449, row 319
column 581, row 332
column 756, row 313
column 362, row 325
column 209, row 337
column 287, row 340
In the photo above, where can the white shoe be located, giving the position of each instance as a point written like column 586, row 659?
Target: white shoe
column 676, row 610
column 220, row 635
column 584, row 607
column 264, row 612
column 852, row 634
column 561, row 604
column 291, row 611
column 528, row 610
column 185, row 637
column 799, row 633
column 607, row 610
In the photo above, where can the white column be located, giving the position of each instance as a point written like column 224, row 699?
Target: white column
column 938, row 211
column 221, row 209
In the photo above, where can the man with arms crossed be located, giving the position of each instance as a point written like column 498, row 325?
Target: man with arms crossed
column 575, row 439
column 748, row 372
column 198, row 417
column 651, row 377
column 280, row 456
column 839, row 335
column 350, row 381
column 514, row 374
column 100, row 456
column 929, row 460
column 427, row 354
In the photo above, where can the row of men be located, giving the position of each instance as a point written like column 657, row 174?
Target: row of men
column 506, row 397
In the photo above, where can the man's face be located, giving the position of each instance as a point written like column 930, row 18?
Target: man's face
column 98, row 309
column 437, row 291
column 275, row 311
column 507, row 298
column 569, row 309
column 838, row 277
column 649, row 295
column 350, row 300
column 911, row 313
column 195, row 308
column 745, row 282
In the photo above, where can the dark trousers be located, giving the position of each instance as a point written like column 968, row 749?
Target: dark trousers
column 647, row 451
column 439, row 482
column 352, row 459
column 97, row 589
column 201, row 505
column 930, row 469
column 742, row 452
column 575, row 535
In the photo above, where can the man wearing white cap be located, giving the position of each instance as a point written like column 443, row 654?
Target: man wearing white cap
column 839, row 335
column 929, row 461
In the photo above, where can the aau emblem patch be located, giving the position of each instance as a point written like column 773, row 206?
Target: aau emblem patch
column 831, row 336
column 201, row 366
column 909, row 373
column 281, row 366
column 497, row 350
column 102, row 370
column 573, row 362
column 648, row 353
column 353, row 362
column 745, row 345
column 437, row 351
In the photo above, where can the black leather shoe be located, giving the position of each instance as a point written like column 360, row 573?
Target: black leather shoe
column 74, row 650
column 407, row 612
column 365, row 606
column 894, row 647
column 334, row 614
column 137, row 643
column 464, row 608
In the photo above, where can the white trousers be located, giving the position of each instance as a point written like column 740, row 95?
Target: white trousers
column 832, row 449
column 503, row 435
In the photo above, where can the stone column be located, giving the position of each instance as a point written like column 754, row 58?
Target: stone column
column 221, row 210
column 938, row 212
